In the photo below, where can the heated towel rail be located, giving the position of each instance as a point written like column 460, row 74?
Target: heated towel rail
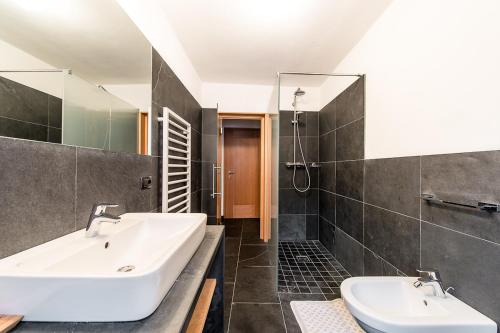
column 176, row 163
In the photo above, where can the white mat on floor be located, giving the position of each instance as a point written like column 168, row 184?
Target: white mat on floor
column 324, row 317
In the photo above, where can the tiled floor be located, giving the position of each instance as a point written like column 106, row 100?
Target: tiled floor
column 252, row 301
column 250, row 289
column 306, row 267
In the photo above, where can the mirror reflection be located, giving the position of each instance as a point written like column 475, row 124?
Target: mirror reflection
column 74, row 73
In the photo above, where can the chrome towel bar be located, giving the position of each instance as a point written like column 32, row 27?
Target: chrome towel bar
column 483, row 206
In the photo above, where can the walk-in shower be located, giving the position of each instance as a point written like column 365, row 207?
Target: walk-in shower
column 296, row 142
column 307, row 234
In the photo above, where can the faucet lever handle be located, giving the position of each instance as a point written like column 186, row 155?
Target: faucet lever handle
column 100, row 208
column 429, row 273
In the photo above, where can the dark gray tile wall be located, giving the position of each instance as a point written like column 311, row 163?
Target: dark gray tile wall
column 372, row 219
column 406, row 232
column 27, row 113
column 298, row 212
column 341, row 182
column 208, row 159
column 168, row 91
column 464, row 178
column 103, row 175
column 47, row 190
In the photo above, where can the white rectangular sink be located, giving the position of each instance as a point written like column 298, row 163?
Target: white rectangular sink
column 394, row 305
column 120, row 275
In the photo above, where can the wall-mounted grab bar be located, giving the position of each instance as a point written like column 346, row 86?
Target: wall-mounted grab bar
column 483, row 206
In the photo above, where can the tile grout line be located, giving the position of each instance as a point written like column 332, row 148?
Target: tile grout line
column 342, row 126
column 28, row 122
column 265, row 303
column 392, row 211
column 235, row 280
column 380, row 257
column 282, row 313
column 460, row 232
column 415, row 218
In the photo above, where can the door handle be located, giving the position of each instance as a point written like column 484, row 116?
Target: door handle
column 214, row 179
column 230, row 172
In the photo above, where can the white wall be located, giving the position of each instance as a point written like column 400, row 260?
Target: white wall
column 12, row 58
column 237, row 97
column 138, row 95
column 150, row 18
column 249, row 98
column 432, row 78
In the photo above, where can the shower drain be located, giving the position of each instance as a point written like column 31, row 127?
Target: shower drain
column 303, row 259
column 125, row 269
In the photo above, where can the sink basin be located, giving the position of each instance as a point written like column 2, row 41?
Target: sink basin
column 394, row 305
column 120, row 275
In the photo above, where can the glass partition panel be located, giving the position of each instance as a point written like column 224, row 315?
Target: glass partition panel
column 275, row 147
column 86, row 114
column 124, row 126
column 95, row 118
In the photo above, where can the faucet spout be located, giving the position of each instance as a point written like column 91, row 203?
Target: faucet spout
column 432, row 278
column 98, row 216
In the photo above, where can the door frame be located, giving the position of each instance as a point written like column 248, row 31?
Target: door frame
column 265, row 166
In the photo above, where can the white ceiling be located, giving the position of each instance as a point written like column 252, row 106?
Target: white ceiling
column 243, row 41
column 94, row 38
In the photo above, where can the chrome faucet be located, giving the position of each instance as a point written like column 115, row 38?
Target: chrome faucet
column 98, row 216
column 432, row 278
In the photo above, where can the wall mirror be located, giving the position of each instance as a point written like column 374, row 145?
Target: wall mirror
column 74, row 72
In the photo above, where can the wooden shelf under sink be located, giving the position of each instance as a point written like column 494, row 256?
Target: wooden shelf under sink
column 8, row 322
column 200, row 313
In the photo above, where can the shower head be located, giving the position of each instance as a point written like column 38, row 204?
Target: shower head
column 299, row 92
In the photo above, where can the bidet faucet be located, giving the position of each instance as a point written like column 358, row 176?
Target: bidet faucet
column 433, row 278
column 98, row 216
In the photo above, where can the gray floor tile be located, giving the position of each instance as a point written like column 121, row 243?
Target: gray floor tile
column 256, row 318
column 256, row 284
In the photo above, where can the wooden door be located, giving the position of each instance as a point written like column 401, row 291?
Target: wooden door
column 143, row 133
column 242, row 173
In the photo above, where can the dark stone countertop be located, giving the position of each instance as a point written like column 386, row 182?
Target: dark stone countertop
column 173, row 311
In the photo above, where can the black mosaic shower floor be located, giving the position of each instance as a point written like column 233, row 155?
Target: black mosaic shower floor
column 306, row 267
